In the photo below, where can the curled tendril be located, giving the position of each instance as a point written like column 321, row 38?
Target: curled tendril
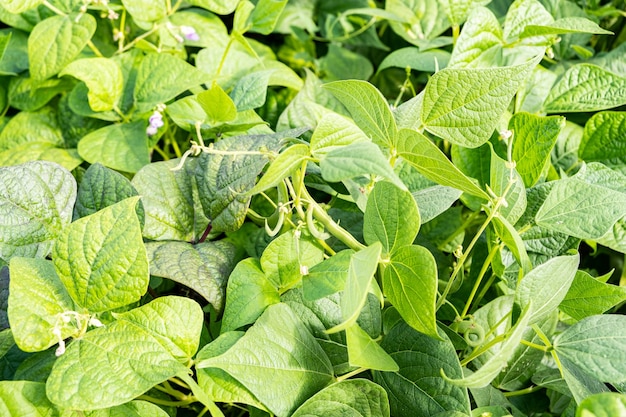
column 473, row 333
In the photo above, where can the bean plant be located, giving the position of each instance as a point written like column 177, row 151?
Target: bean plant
column 299, row 208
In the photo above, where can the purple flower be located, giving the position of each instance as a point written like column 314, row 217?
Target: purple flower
column 154, row 123
column 189, row 33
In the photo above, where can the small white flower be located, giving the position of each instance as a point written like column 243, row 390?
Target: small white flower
column 506, row 134
column 156, row 120
column 151, row 130
column 61, row 349
column 113, row 15
column 304, row 270
column 95, row 322
column 117, row 35
column 189, row 33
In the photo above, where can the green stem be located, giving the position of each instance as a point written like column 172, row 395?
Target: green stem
column 482, row 349
column 524, row 391
column 166, row 402
column 481, row 274
column 231, row 39
column 351, row 374
column 534, row 345
column 470, row 219
column 162, row 153
column 54, row 9
column 94, row 49
column 138, row 38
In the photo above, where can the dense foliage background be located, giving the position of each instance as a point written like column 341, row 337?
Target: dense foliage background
column 312, row 207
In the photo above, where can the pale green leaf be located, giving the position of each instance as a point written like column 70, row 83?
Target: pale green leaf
column 248, row 294
column 464, row 106
column 602, row 405
column 391, row 217
column 123, row 147
column 131, row 409
column 277, row 348
column 36, row 201
column 365, row 352
column 37, row 300
column 334, row 131
column 161, row 77
column 327, row 277
column 282, row 167
column 546, row 285
column 265, row 15
column 25, row 398
column 19, row 6
column 27, row 94
column 250, row 92
column 410, row 284
column 203, row 267
column 513, row 241
column 170, row 200
column 533, row 140
column 358, row 158
column 564, row 26
column 490, row 369
column 524, row 13
column 604, row 137
column 29, row 128
column 288, row 257
column 110, row 366
column 580, row 209
column 580, row 385
column 368, row 108
column 420, row 359
column 411, row 57
column 217, row 105
column 501, row 175
column 101, row 258
column 363, row 266
column 480, row 41
column 101, row 187
column 457, row 10
column 56, row 41
column 596, row 345
column 432, row 163
column 216, row 6
column 146, row 10
column 588, row 296
column 103, row 78
column 419, row 20
column 176, row 322
column 352, row 397
column 586, row 87
column 40, row 151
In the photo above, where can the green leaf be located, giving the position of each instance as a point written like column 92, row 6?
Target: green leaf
column 533, row 140
column 250, row 92
column 282, row 167
column 334, row 131
column 457, row 10
column 464, row 106
column 101, row 258
column 341, row 63
column 56, row 41
column 217, row 105
column 224, row 179
column 365, row 352
column 37, row 299
column 170, row 200
column 580, row 209
column 418, row 20
column 501, row 174
column 123, row 147
column 176, row 322
column 101, row 187
column 480, row 41
column 604, row 137
column 564, row 26
column 327, row 277
column 368, row 108
column 523, row 13
column 109, row 366
column 410, row 284
column 146, row 10
column 586, row 87
column 288, row 257
column 596, row 345
column 432, row 163
column 265, row 15
column 358, row 158
column 363, row 266
column 411, row 57
column 161, row 77
column 102, row 76
column 27, row 94
column 588, row 296
column 352, row 397
column 216, row 6
column 277, row 348
column 30, row 128
column 602, row 405
column 25, row 398
column 248, row 294
column 19, row 6
column 513, row 241
column 391, row 217
column 131, row 409
column 36, row 201
column 420, row 359
column 203, row 267
column 546, row 285
column 490, row 369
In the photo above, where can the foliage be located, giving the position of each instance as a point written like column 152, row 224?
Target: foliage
column 312, row 207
